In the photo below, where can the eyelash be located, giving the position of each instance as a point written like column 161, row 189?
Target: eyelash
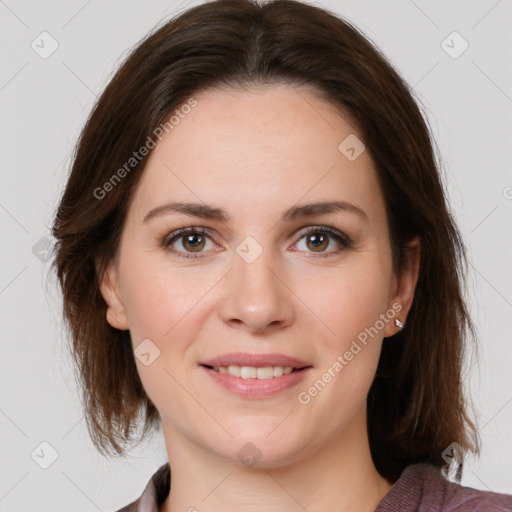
column 344, row 241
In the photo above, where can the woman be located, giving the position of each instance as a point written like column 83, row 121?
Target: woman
column 256, row 253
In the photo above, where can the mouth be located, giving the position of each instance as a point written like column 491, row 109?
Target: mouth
column 254, row 376
column 257, row 378
column 255, row 372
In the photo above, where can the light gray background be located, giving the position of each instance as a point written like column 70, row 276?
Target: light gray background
column 44, row 104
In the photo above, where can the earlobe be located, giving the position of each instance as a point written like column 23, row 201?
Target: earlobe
column 405, row 286
column 109, row 287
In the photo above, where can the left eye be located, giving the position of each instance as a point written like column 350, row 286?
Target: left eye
column 318, row 240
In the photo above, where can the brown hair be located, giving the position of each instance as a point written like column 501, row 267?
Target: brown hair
column 416, row 404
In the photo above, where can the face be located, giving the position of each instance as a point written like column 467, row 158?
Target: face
column 225, row 262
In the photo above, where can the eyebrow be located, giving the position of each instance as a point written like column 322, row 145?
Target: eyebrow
column 206, row 211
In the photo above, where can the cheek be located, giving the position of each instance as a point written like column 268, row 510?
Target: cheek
column 348, row 299
column 162, row 305
column 158, row 300
column 349, row 310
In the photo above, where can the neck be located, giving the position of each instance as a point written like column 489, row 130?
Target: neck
column 340, row 476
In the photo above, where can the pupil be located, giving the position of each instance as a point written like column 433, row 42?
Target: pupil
column 194, row 241
column 317, row 240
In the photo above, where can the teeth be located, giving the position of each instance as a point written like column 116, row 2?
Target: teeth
column 251, row 372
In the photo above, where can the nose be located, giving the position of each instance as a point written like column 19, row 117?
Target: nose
column 255, row 296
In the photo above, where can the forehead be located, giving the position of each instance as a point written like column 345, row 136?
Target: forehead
column 270, row 146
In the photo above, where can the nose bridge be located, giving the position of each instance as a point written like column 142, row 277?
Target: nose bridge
column 253, row 294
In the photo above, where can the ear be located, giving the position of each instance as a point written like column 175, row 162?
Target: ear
column 404, row 285
column 110, row 290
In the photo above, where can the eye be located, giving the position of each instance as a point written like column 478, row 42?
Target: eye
column 187, row 241
column 193, row 242
column 320, row 240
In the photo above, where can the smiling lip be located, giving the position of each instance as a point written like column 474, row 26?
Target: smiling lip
column 256, row 388
column 255, row 360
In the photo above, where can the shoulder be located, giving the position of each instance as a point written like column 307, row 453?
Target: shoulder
column 456, row 497
column 424, row 488
column 154, row 493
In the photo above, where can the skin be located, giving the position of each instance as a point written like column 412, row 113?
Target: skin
column 256, row 154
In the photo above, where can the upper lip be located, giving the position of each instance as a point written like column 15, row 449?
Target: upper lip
column 255, row 360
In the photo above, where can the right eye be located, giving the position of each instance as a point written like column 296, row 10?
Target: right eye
column 186, row 242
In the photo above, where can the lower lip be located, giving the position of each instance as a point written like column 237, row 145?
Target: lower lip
column 256, row 388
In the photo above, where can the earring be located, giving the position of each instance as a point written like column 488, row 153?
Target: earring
column 399, row 324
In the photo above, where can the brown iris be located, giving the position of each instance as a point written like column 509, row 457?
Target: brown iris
column 317, row 242
column 193, row 242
